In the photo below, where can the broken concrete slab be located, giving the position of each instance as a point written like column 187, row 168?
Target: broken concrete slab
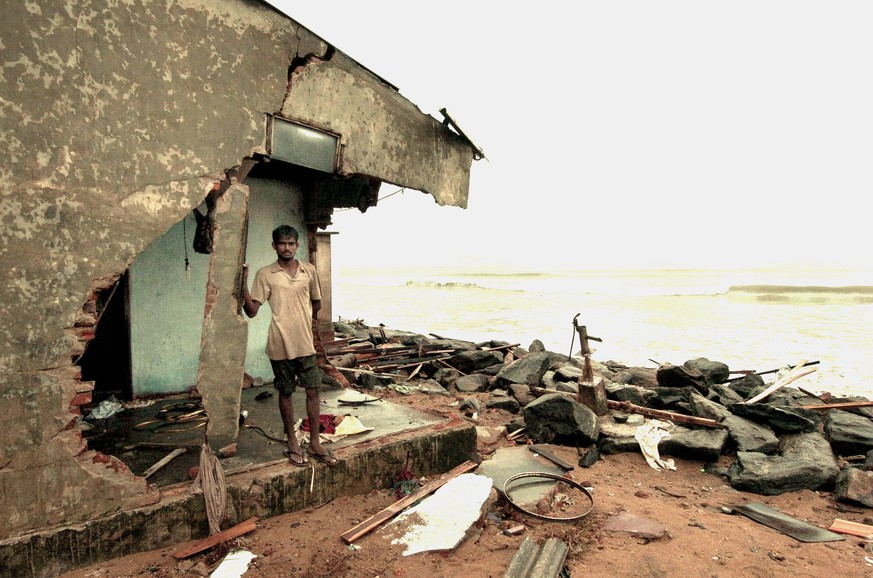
column 441, row 521
column 507, row 462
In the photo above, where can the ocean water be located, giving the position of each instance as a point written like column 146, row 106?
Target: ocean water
column 750, row 320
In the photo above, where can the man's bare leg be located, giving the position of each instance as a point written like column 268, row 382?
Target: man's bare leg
column 286, row 408
column 313, row 412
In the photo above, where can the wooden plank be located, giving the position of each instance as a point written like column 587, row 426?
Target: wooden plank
column 164, row 461
column 662, row 414
column 852, row 528
column 780, row 383
column 387, row 513
column 845, row 404
column 196, row 546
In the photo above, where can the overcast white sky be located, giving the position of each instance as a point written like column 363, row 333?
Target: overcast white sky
column 631, row 134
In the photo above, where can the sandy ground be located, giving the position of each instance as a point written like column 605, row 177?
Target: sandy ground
column 693, row 535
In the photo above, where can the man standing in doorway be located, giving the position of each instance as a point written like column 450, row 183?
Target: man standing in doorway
column 292, row 290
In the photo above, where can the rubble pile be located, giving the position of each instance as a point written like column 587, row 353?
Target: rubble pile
column 776, row 438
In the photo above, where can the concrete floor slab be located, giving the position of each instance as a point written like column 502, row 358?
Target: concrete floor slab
column 141, row 437
column 506, row 462
column 259, row 480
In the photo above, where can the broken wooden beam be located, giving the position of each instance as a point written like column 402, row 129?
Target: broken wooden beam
column 196, row 546
column 646, row 411
column 164, row 461
column 841, row 405
column 386, row 514
column 662, row 414
column 851, row 528
column 782, row 382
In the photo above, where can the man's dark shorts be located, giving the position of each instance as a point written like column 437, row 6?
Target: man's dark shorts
column 289, row 373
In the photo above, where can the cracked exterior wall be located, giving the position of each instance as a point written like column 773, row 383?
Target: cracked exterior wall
column 375, row 123
column 116, row 118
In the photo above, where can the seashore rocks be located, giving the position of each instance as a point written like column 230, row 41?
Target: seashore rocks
column 774, row 445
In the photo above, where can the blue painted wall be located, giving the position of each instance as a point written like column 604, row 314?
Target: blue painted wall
column 271, row 204
column 167, row 304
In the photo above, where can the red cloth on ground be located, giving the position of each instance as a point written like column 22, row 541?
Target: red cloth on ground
column 326, row 421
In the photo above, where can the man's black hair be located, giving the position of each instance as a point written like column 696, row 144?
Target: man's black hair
column 283, row 231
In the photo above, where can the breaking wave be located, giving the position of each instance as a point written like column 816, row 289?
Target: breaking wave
column 452, row 285
column 849, row 289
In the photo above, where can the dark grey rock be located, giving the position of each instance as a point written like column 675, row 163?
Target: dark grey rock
column 854, row 485
column 590, row 457
column 806, row 463
column 669, row 375
column 618, row 445
column 568, row 372
column 712, row 371
column 501, row 400
column 749, row 436
column 724, row 395
column 548, row 381
column 528, row 370
column 782, row 420
column 557, row 418
column 472, row 383
column 632, row 393
column 746, row 385
column 447, row 377
column 442, row 344
column 369, row 380
column 703, row 445
column 702, row 407
column 567, row 386
column 521, row 393
column 470, row 405
column 641, row 376
column 536, row 346
column 850, row 434
column 471, row 361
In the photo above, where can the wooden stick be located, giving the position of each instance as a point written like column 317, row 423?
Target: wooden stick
column 387, row 513
column 780, row 383
column 647, row 411
column 164, row 461
column 662, row 414
column 852, row 528
column 844, row 404
column 499, row 347
column 196, row 546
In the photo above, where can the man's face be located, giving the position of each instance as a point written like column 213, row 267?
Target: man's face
column 285, row 248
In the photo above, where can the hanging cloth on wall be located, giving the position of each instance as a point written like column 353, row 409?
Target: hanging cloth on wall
column 204, row 233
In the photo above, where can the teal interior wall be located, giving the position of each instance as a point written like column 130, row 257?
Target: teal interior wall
column 271, row 203
column 167, row 304
column 166, row 313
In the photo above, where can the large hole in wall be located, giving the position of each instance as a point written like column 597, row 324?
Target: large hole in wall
column 106, row 360
column 142, row 334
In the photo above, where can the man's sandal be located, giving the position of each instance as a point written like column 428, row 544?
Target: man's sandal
column 297, row 458
column 326, row 458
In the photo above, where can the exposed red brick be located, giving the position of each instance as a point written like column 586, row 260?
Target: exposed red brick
column 80, row 399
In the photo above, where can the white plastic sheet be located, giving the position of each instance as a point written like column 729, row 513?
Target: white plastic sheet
column 234, row 565
column 649, row 436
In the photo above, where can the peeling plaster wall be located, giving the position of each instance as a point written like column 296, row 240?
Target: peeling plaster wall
column 116, row 117
column 375, row 123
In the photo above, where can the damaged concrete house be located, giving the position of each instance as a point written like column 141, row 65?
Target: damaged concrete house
column 119, row 119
